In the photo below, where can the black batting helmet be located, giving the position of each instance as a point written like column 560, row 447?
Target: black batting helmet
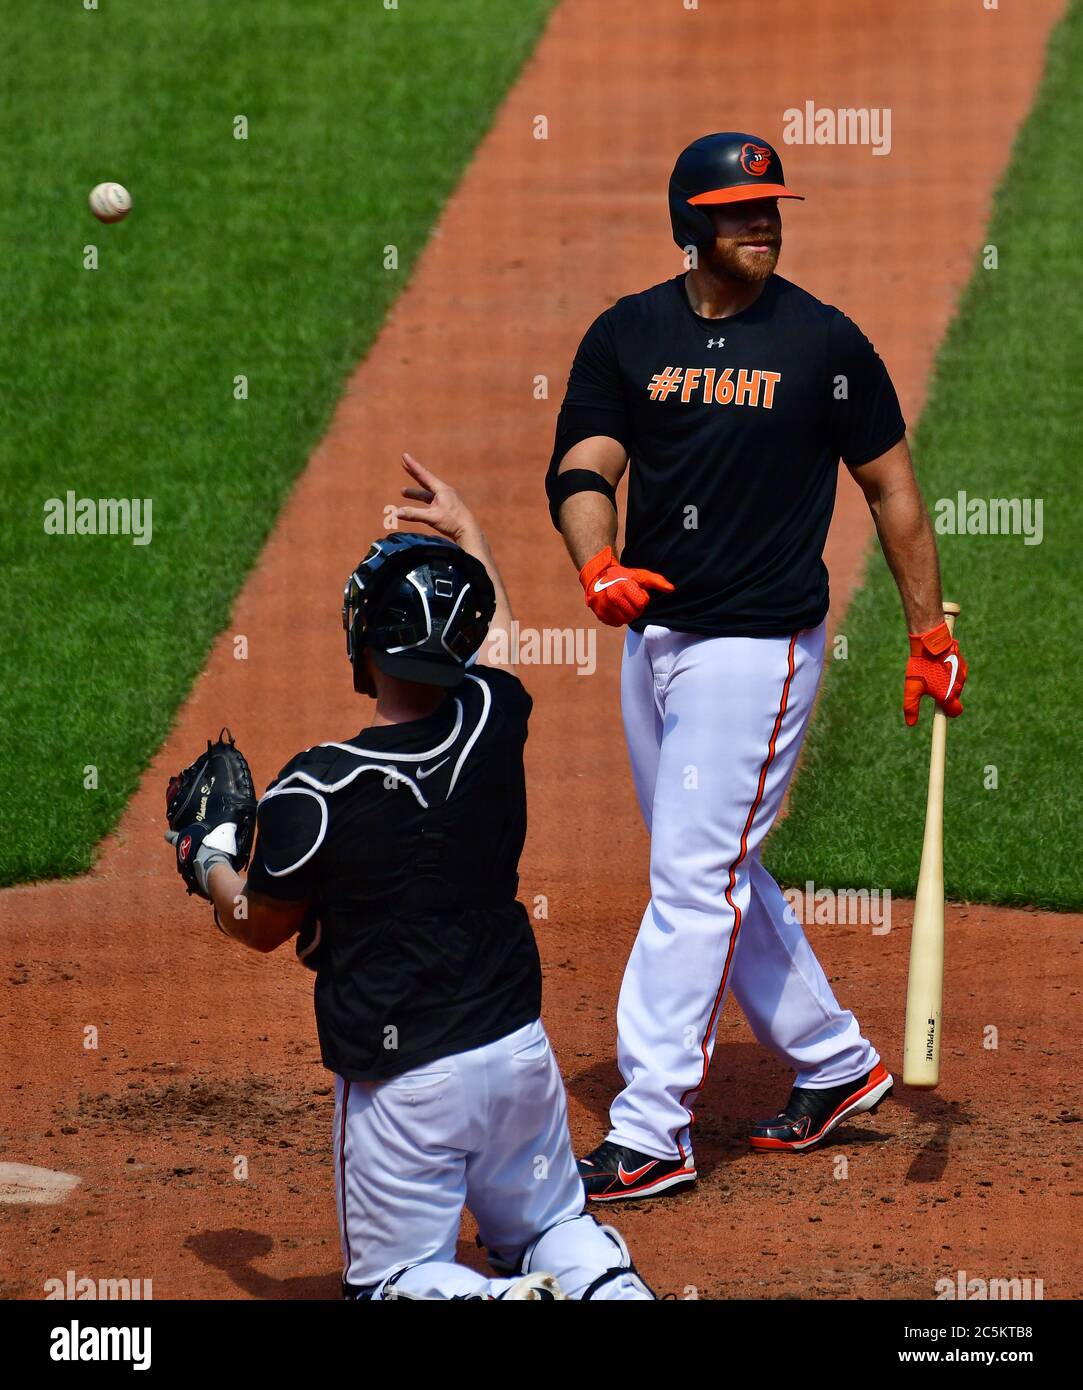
column 422, row 607
column 730, row 167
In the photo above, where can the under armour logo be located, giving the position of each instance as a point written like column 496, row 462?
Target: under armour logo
column 716, row 342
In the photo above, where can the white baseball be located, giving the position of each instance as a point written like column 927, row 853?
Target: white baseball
column 110, row 202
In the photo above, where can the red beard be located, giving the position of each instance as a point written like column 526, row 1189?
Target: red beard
column 735, row 262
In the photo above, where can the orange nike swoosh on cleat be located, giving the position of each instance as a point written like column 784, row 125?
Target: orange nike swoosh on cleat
column 627, row 1177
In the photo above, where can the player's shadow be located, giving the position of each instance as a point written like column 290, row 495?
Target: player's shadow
column 746, row 1083
column 939, row 1117
column 234, row 1252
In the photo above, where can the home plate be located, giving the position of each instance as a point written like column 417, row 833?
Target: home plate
column 19, row 1182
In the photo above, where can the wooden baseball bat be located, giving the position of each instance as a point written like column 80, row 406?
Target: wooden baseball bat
column 925, row 990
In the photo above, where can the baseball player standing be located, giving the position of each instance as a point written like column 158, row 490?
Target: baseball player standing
column 393, row 857
column 732, row 394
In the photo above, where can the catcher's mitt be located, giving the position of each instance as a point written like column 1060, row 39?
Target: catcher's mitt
column 211, row 806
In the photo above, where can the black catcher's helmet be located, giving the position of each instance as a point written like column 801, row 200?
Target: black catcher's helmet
column 730, row 167
column 421, row 605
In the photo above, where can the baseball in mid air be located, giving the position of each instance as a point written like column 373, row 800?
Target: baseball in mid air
column 110, row 202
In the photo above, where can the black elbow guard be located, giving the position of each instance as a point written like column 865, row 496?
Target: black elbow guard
column 560, row 486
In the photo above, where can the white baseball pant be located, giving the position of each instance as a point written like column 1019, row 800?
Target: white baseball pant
column 714, row 727
column 487, row 1129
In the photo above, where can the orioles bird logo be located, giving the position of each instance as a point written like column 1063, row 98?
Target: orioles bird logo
column 755, row 159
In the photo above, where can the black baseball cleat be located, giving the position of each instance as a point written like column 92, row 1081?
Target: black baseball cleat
column 613, row 1173
column 810, row 1115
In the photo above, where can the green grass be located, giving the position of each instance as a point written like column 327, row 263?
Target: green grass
column 262, row 257
column 1003, row 420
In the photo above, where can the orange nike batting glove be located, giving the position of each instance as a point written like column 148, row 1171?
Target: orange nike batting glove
column 936, row 667
column 615, row 594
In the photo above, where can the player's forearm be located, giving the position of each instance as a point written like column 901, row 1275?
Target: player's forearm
column 909, row 546
column 587, row 518
column 473, row 541
column 588, row 524
column 258, row 922
column 226, row 888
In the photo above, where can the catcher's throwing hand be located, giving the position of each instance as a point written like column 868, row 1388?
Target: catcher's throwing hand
column 211, row 810
column 616, row 594
column 444, row 510
column 936, row 667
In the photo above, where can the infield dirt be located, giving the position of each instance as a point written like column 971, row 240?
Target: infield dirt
column 206, row 1053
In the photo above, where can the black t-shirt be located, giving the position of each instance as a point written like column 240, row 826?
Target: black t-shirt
column 406, row 841
column 734, row 429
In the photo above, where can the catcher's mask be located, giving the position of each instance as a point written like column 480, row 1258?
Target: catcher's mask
column 422, row 607
column 730, row 167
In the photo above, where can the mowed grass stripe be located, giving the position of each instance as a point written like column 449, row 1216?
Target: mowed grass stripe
column 261, row 256
column 1002, row 421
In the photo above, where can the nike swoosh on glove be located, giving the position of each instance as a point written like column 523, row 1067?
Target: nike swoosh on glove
column 936, row 667
column 615, row 593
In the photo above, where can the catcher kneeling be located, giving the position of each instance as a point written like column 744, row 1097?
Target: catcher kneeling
column 393, row 857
